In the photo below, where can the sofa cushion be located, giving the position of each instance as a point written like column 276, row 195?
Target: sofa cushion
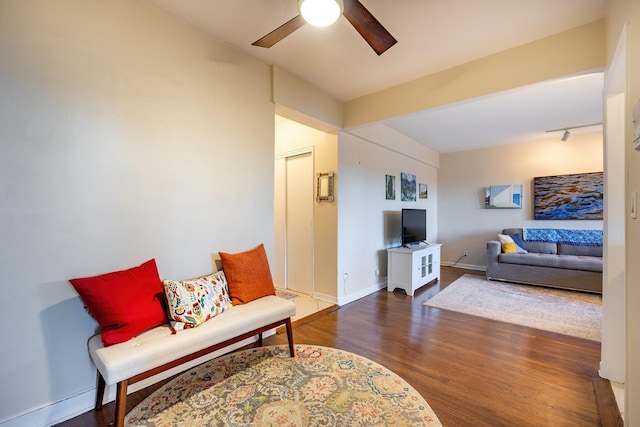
column 570, row 262
column 541, row 247
column 509, row 245
column 248, row 275
column 512, row 231
column 564, row 249
column 538, row 247
column 193, row 302
column 124, row 303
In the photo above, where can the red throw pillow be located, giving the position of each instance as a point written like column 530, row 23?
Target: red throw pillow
column 125, row 303
column 248, row 275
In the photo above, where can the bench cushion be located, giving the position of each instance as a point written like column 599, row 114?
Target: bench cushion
column 158, row 346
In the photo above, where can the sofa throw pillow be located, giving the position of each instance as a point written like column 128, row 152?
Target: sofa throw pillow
column 124, row 303
column 248, row 275
column 193, row 302
column 517, row 239
column 509, row 245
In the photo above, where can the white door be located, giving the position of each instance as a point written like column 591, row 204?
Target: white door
column 299, row 223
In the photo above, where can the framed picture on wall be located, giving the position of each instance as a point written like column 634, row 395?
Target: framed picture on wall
column 574, row 196
column 503, row 196
column 407, row 187
column 390, row 187
column 423, row 191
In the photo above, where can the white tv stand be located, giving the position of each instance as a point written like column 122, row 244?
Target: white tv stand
column 412, row 267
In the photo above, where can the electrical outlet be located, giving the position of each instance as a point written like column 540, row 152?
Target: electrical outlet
column 465, row 253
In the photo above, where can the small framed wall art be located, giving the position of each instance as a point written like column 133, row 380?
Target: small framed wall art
column 324, row 187
column 503, row 197
column 407, row 187
column 390, row 187
column 423, row 191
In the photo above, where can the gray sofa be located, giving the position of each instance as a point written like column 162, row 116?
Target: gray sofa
column 556, row 265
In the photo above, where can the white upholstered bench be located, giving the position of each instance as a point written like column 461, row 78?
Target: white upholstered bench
column 158, row 350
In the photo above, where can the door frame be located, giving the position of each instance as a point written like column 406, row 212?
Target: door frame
column 281, row 259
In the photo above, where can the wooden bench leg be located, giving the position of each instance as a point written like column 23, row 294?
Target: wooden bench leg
column 290, row 338
column 121, row 403
column 100, row 385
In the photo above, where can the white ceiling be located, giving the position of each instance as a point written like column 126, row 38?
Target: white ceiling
column 521, row 115
column 432, row 35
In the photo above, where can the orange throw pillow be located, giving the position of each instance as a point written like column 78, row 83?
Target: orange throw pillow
column 248, row 275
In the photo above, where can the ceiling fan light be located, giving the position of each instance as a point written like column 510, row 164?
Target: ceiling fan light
column 320, row 12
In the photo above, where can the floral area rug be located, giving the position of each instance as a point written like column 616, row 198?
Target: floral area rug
column 264, row 386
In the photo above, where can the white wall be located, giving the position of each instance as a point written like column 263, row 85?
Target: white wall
column 623, row 25
column 368, row 224
column 124, row 136
column 613, row 362
column 465, row 224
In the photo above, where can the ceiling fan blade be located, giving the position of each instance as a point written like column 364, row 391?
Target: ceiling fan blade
column 368, row 26
column 281, row 32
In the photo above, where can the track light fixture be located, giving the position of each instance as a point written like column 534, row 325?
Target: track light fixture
column 567, row 134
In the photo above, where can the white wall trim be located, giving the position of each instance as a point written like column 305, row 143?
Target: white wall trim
column 296, row 152
column 467, row 266
column 346, row 299
column 324, row 297
column 54, row 412
column 72, row 406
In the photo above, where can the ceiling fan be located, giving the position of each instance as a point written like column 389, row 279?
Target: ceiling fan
column 360, row 18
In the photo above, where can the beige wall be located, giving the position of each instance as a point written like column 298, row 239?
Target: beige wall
column 123, row 137
column 464, row 223
column 291, row 137
column 117, row 119
column 304, row 103
column 623, row 21
column 575, row 51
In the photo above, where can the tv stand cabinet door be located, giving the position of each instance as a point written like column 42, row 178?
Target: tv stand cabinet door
column 400, row 271
column 411, row 268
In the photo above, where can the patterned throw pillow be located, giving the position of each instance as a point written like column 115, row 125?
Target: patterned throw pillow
column 193, row 302
column 509, row 246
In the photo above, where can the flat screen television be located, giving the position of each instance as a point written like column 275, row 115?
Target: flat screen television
column 414, row 226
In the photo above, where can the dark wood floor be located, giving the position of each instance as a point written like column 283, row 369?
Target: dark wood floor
column 472, row 371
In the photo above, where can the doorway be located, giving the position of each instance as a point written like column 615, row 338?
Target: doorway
column 295, row 193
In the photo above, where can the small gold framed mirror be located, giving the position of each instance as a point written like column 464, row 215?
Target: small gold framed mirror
column 324, row 188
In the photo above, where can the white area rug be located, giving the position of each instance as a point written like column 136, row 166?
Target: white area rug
column 572, row 313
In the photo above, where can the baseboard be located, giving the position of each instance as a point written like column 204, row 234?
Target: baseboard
column 326, row 298
column 72, row 406
column 467, row 266
column 346, row 299
column 606, row 401
column 55, row 412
